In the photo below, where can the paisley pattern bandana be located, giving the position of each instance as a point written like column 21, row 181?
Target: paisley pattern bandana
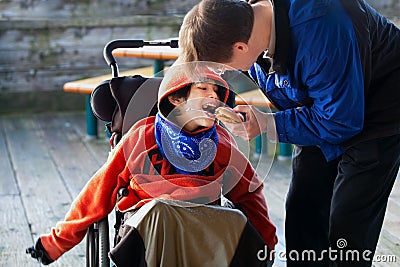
column 188, row 153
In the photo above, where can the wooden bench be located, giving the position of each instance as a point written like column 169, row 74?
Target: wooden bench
column 86, row 86
column 159, row 54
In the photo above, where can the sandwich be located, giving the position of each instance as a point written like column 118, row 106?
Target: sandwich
column 225, row 114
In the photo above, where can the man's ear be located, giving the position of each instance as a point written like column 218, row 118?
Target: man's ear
column 175, row 100
column 240, row 47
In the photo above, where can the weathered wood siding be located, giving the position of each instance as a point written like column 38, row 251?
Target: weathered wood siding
column 44, row 44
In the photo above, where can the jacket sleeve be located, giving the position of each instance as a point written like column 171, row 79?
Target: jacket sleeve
column 96, row 200
column 337, row 112
column 244, row 188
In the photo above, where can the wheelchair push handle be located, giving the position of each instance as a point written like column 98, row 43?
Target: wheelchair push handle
column 127, row 43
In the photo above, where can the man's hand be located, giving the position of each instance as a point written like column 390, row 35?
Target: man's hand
column 38, row 252
column 256, row 122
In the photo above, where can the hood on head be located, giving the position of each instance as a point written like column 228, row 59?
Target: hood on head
column 180, row 76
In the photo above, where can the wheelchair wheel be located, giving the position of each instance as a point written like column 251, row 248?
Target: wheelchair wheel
column 104, row 243
column 91, row 247
column 98, row 244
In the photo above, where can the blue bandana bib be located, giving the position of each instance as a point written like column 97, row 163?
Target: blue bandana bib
column 188, row 153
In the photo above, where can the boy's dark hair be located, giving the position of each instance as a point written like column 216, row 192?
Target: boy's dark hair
column 211, row 28
column 166, row 107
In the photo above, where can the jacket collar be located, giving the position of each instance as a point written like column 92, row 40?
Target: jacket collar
column 282, row 35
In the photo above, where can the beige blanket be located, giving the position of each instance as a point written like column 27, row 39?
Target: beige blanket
column 177, row 233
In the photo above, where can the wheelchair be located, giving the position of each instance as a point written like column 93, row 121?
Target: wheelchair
column 110, row 103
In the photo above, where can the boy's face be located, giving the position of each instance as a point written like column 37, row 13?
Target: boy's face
column 197, row 110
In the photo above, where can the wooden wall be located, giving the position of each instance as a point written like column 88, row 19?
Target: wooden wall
column 44, row 44
column 43, row 54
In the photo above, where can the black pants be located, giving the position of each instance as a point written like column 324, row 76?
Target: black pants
column 335, row 210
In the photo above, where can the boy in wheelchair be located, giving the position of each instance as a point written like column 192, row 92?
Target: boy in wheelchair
column 175, row 166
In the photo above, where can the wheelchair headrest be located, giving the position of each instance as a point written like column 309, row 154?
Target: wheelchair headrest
column 111, row 98
column 102, row 102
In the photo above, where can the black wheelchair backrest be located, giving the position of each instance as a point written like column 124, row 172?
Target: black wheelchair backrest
column 112, row 99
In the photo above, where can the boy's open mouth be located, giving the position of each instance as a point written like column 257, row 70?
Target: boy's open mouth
column 209, row 108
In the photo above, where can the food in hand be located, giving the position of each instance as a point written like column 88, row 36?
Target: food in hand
column 225, row 114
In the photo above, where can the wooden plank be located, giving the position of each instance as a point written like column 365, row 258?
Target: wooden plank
column 86, row 86
column 14, row 232
column 8, row 184
column 44, row 196
column 75, row 163
column 149, row 52
column 99, row 147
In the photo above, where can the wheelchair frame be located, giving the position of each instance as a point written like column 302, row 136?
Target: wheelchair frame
column 97, row 237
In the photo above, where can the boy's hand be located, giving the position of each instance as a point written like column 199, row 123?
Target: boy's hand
column 38, row 252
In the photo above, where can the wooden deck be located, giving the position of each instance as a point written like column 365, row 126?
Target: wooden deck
column 45, row 160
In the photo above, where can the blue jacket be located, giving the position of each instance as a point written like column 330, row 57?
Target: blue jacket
column 322, row 74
